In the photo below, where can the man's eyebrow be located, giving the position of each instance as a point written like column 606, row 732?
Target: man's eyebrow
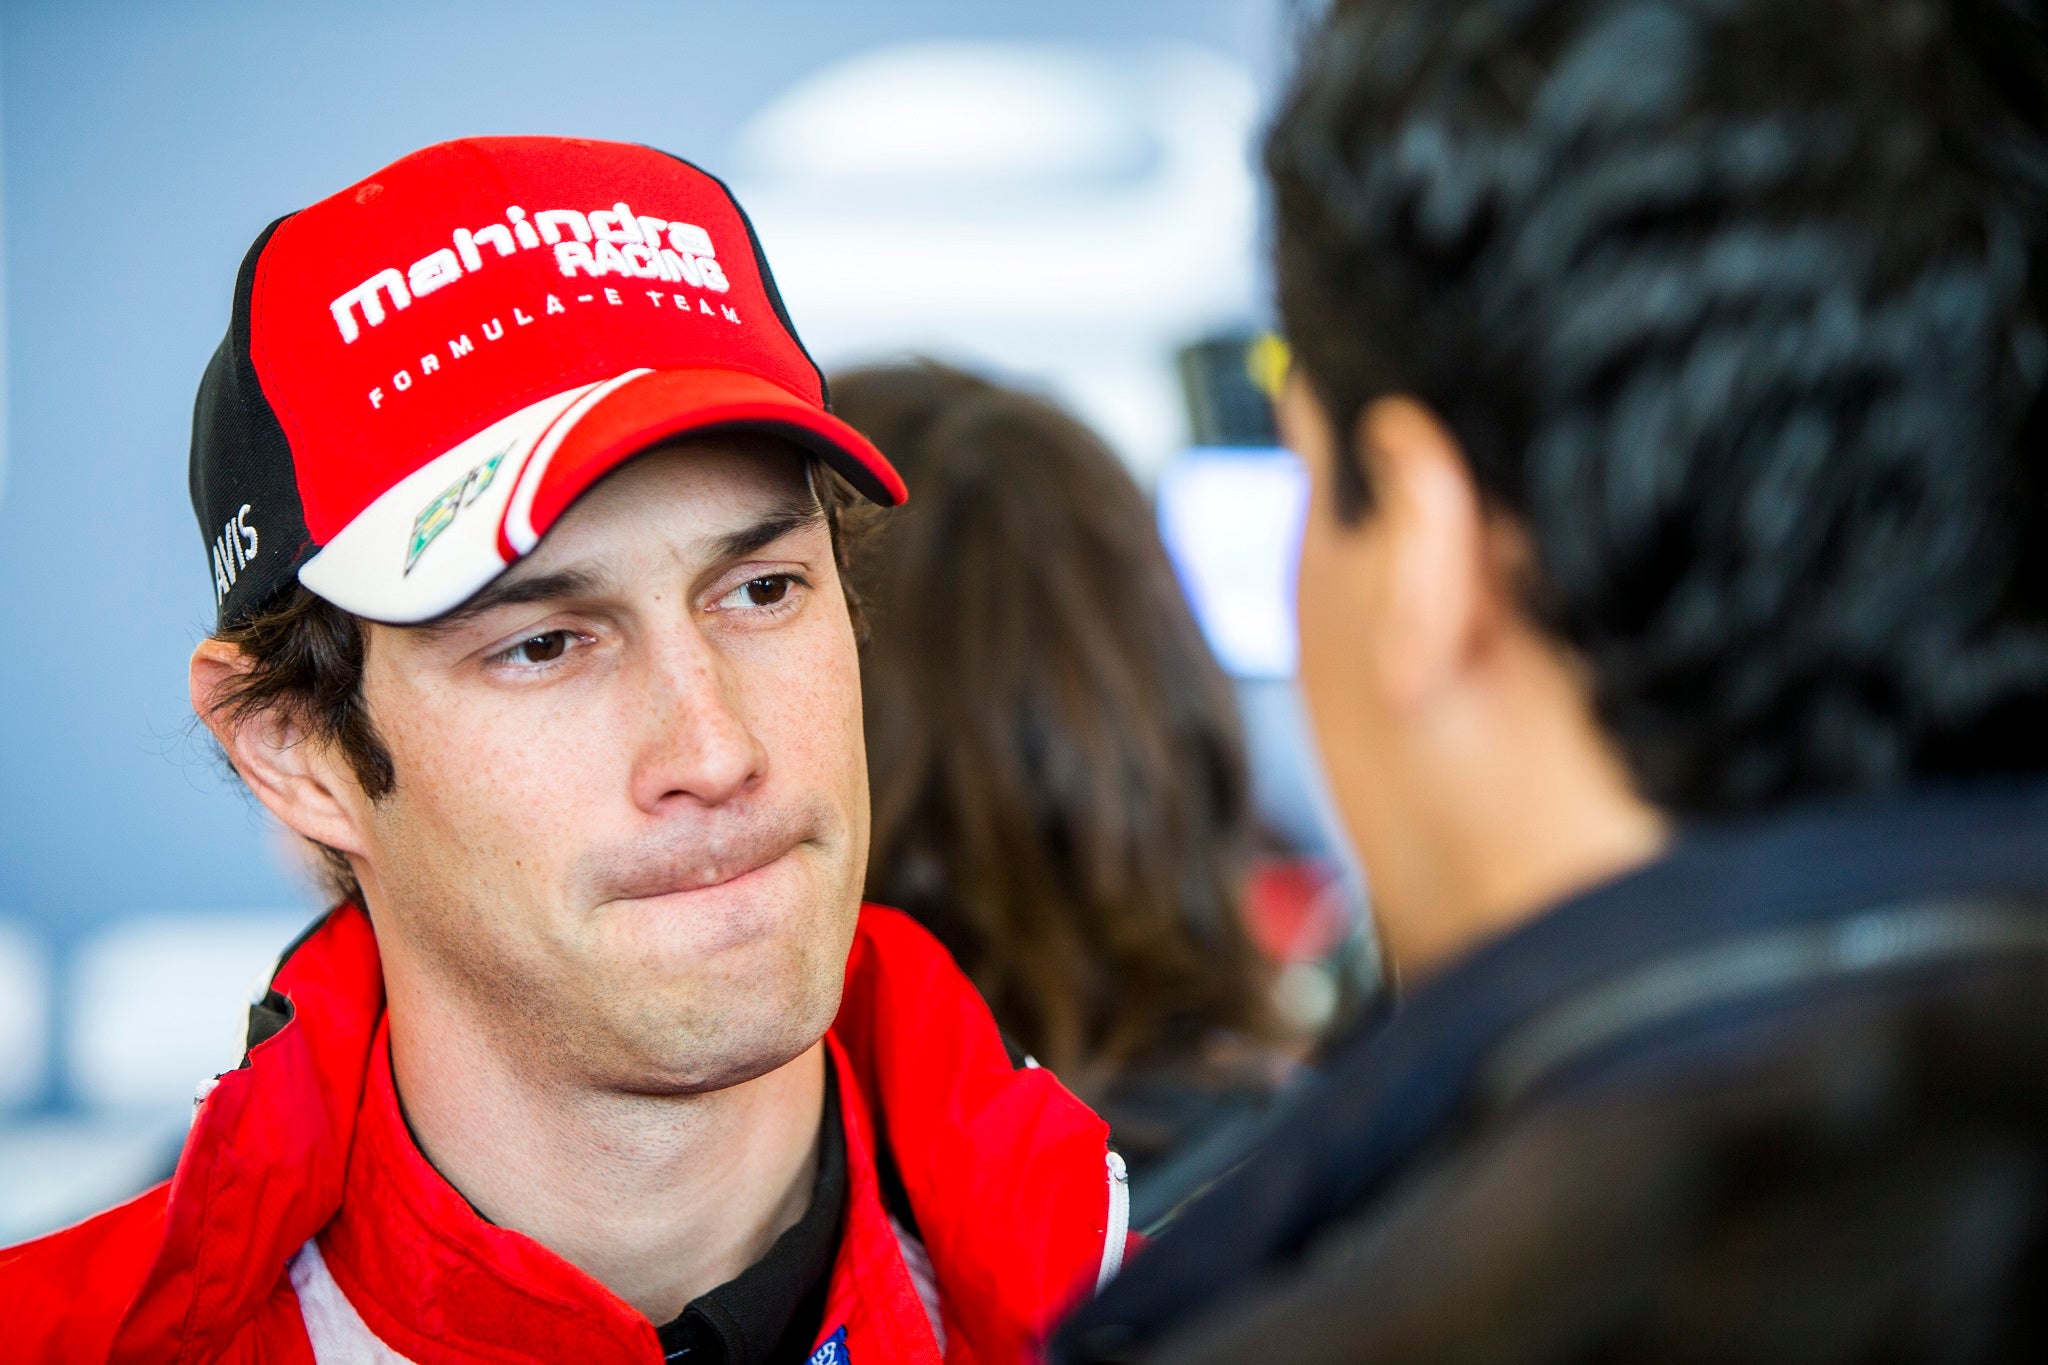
column 515, row 590
column 777, row 523
column 511, row 590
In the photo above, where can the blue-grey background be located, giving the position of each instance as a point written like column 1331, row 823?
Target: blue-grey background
column 144, row 147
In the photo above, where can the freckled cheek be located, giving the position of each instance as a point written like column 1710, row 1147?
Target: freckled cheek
column 806, row 710
column 491, row 779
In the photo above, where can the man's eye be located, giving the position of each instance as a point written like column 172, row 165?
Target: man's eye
column 765, row 591
column 538, row 649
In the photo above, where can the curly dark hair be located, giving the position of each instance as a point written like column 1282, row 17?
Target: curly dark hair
column 1736, row 307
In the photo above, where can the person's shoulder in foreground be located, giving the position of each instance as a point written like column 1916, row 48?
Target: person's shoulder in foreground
column 1675, row 625
column 521, row 503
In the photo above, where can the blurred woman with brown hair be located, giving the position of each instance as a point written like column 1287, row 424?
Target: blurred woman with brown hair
column 1059, row 779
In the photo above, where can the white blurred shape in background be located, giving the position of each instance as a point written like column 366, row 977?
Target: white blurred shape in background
column 156, row 1004
column 55, row 1170
column 168, row 1004
column 1232, row 522
column 24, row 1016
column 3, row 340
column 1063, row 216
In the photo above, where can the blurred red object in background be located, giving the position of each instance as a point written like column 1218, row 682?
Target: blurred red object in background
column 1295, row 909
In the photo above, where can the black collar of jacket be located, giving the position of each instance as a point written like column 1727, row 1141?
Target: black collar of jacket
column 771, row 1310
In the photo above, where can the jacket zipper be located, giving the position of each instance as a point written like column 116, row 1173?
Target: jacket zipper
column 1119, row 1222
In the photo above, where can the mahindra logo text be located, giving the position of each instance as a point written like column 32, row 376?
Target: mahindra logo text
column 613, row 241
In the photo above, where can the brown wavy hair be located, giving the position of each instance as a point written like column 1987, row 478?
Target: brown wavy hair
column 1059, row 778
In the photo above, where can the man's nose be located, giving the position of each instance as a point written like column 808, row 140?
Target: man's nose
column 695, row 744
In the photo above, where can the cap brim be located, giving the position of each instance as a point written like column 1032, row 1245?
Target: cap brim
column 662, row 405
column 432, row 540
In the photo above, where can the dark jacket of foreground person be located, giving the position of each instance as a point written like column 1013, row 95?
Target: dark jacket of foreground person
column 1791, row 1062
column 957, row 1165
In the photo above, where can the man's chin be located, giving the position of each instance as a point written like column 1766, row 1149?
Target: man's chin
column 698, row 1074
column 713, row 986
column 714, row 1034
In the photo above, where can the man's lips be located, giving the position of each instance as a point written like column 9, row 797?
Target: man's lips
column 699, row 874
column 705, row 878
column 697, row 854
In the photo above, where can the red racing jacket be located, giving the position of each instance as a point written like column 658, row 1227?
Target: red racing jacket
column 303, row 1225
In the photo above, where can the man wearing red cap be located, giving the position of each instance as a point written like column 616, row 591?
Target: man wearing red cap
column 520, row 501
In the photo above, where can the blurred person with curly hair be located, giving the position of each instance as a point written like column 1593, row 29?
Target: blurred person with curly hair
column 1674, row 623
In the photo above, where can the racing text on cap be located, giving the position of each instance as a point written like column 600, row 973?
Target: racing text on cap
column 606, row 242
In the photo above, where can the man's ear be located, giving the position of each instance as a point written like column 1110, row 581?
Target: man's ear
column 300, row 780
column 1442, row 595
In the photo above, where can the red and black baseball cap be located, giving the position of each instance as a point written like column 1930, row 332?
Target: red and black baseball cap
column 424, row 371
